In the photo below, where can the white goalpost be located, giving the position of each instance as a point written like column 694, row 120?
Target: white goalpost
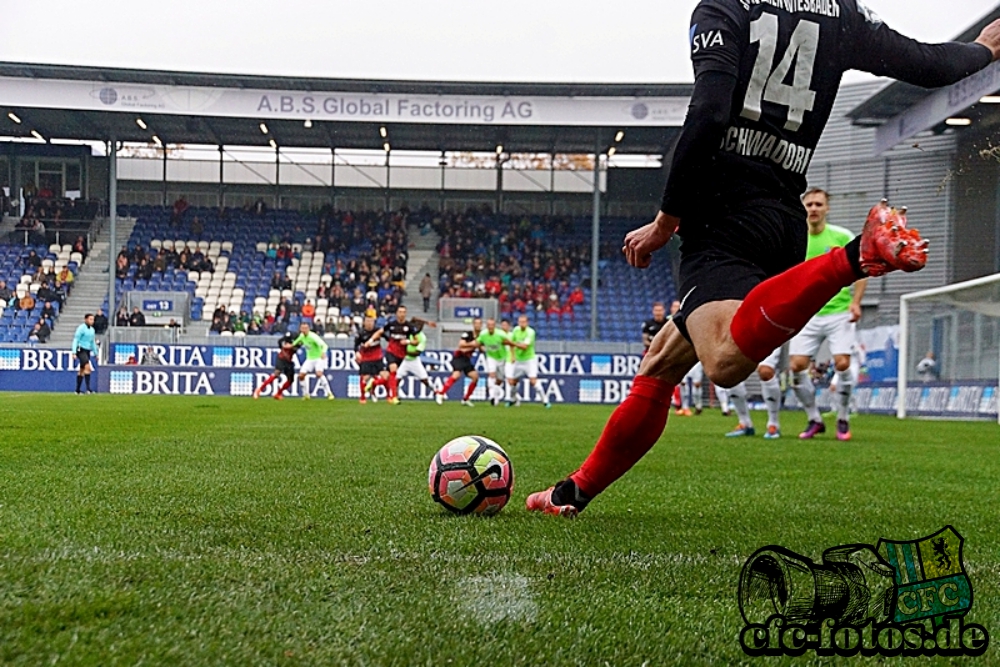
column 949, row 348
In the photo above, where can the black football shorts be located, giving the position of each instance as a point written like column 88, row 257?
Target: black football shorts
column 286, row 368
column 371, row 367
column 724, row 256
column 463, row 365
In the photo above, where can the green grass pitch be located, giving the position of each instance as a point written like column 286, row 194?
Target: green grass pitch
column 224, row 531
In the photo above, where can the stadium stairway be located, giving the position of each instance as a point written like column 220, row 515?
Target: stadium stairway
column 90, row 289
column 423, row 258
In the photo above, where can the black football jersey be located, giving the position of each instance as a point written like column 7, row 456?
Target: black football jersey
column 788, row 57
column 652, row 327
column 362, row 338
column 467, row 337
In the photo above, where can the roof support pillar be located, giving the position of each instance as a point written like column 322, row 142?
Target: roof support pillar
column 113, row 223
column 595, row 244
column 222, row 179
column 165, row 202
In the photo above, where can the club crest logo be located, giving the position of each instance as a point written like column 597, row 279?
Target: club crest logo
column 931, row 581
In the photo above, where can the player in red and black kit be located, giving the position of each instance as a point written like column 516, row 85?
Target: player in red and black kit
column 462, row 363
column 368, row 354
column 285, row 365
column 397, row 332
column 766, row 76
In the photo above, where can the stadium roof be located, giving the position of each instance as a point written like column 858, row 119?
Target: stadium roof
column 230, row 110
column 897, row 98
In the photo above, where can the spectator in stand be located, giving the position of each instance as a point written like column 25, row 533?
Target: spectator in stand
column 64, row 279
column 277, row 281
column 40, row 333
column 220, row 312
column 160, row 263
column 173, row 324
column 309, row 310
column 132, row 361
column 48, row 312
column 121, row 319
column 80, row 246
column 27, row 302
column 253, row 329
column 46, row 292
column 144, row 270
column 100, row 323
column 33, row 260
column 136, row 319
column 150, row 357
column 121, row 267
column 5, row 295
column 427, row 290
column 180, row 206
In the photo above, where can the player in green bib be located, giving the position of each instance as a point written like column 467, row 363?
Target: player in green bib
column 834, row 323
column 315, row 363
column 493, row 342
column 522, row 342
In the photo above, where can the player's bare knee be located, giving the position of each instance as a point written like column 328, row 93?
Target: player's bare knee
column 841, row 362
column 766, row 373
column 727, row 371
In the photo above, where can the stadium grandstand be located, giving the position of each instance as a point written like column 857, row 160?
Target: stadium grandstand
column 498, row 190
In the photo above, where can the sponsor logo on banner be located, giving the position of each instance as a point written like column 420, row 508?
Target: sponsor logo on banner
column 186, row 383
column 222, row 357
column 10, row 360
column 122, row 382
column 241, row 384
column 590, row 391
column 123, row 352
column 600, row 365
column 988, row 402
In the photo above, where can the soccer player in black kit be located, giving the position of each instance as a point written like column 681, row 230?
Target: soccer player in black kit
column 368, row 354
column 461, row 363
column 285, row 365
column 652, row 327
column 766, row 76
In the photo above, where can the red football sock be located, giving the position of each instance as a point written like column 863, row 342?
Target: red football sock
column 361, row 385
column 393, row 385
column 266, row 382
column 472, row 388
column 447, row 384
column 284, row 387
column 779, row 307
column 379, row 382
column 632, row 430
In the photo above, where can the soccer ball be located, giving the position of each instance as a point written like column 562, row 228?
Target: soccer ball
column 471, row 475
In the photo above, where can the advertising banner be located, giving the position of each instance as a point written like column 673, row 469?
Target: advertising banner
column 341, row 106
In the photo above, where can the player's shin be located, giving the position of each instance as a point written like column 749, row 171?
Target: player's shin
column 472, row 388
column 738, row 395
column 772, row 400
column 448, row 384
column 393, row 385
column 632, row 430
column 845, row 385
column 805, row 391
column 776, row 309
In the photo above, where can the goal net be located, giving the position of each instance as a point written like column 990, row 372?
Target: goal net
column 949, row 351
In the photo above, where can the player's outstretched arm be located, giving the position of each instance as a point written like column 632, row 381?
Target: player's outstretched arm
column 880, row 50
